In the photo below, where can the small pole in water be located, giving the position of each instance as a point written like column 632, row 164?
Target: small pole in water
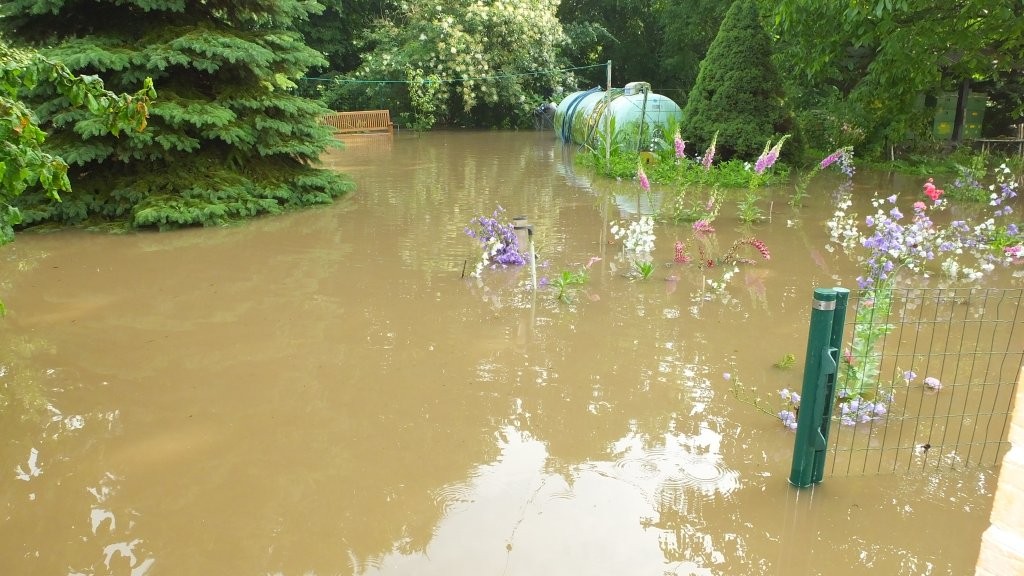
column 533, row 259
column 524, row 236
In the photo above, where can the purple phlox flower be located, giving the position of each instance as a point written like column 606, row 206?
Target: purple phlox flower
column 909, row 376
column 933, row 383
column 642, row 177
column 788, row 419
column 892, row 199
column 680, row 145
column 880, row 409
column 709, row 156
column 784, row 393
column 870, row 221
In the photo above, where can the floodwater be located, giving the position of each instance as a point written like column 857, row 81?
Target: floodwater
column 328, row 392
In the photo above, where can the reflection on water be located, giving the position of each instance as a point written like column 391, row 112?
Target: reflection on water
column 325, row 393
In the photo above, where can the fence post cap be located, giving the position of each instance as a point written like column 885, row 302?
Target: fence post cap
column 825, row 294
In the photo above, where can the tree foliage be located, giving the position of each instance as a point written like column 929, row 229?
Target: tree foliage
column 23, row 162
column 228, row 138
column 881, row 56
column 491, row 59
column 689, row 27
column 627, row 32
column 738, row 94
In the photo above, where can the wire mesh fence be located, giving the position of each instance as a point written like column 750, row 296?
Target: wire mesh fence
column 926, row 379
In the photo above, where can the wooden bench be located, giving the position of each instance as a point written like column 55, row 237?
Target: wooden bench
column 363, row 121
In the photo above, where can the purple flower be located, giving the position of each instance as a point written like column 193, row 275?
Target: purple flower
column 909, row 376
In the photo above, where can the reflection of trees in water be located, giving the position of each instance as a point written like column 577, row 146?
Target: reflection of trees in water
column 46, row 445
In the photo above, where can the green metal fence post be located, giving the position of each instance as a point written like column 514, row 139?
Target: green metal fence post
column 835, row 344
column 818, row 367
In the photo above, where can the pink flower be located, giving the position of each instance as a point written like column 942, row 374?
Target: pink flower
column 1016, row 253
column 709, row 156
column 920, row 206
column 760, row 247
column 681, row 256
column 831, row 159
column 931, row 191
column 680, row 146
column 642, row 177
column 703, row 226
column 768, row 157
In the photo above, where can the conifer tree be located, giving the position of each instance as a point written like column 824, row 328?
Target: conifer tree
column 227, row 138
column 738, row 93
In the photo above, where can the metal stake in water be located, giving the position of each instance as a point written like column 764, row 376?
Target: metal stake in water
column 533, row 258
column 524, row 235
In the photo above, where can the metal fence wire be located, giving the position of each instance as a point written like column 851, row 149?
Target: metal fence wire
column 948, row 362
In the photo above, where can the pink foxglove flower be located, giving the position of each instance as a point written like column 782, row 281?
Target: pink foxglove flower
column 642, row 177
column 680, row 145
column 709, row 156
column 769, row 156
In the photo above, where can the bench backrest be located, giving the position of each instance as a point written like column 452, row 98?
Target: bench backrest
column 362, row 121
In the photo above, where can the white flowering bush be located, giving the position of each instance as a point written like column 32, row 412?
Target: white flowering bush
column 472, row 51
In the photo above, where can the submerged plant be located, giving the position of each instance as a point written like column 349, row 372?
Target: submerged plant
column 566, row 283
column 643, row 268
column 787, row 361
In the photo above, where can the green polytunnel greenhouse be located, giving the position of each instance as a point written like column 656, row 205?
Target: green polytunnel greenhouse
column 583, row 117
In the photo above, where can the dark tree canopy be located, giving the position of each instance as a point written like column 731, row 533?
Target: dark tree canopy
column 227, row 138
column 738, row 93
column 689, row 28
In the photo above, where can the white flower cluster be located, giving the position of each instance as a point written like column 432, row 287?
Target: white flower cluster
column 637, row 237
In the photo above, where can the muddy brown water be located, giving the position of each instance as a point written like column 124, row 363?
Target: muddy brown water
column 324, row 393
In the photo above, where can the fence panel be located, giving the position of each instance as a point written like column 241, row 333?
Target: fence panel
column 949, row 361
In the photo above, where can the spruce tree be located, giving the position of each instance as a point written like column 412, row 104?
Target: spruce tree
column 738, row 93
column 227, row 137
